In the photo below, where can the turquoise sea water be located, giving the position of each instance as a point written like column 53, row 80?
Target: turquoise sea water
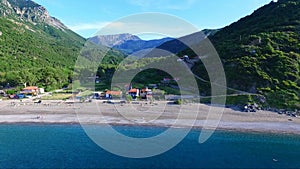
column 67, row 146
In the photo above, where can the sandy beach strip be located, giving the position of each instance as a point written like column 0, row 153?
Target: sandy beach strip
column 145, row 114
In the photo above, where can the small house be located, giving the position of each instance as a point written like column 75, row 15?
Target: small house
column 110, row 94
column 166, row 81
column 134, row 93
column 96, row 95
column 2, row 93
column 30, row 90
column 186, row 58
column 146, row 93
column 41, row 90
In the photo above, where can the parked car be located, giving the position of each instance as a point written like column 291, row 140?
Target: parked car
column 21, row 96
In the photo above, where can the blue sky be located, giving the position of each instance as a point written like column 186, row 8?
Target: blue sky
column 86, row 17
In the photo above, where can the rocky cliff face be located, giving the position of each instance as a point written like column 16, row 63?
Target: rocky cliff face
column 29, row 11
column 34, row 45
column 113, row 40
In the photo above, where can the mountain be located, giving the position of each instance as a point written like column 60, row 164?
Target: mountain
column 180, row 44
column 29, row 11
column 174, row 46
column 35, row 48
column 134, row 46
column 127, row 43
column 261, row 54
column 131, row 44
column 113, row 40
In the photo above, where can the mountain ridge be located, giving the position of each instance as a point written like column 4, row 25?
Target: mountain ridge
column 128, row 43
column 260, row 54
column 113, row 40
column 29, row 11
column 35, row 48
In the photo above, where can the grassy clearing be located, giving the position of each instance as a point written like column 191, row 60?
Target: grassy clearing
column 57, row 96
column 85, row 93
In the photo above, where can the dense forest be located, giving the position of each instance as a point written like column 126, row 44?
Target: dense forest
column 261, row 54
column 36, row 52
column 42, row 56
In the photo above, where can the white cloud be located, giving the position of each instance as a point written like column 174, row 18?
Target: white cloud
column 155, row 24
column 140, row 28
column 88, row 26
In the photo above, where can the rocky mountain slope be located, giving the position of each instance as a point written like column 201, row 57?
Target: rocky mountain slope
column 113, row 40
column 128, row 43
column 29, row 11
column 35, row 48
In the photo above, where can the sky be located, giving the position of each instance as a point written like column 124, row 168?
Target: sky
column 89, row 16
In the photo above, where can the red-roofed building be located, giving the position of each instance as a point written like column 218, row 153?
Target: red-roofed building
column 114, row 93
column 110, row 94
column 146, row 93
column 134, row 93
column 32, row 90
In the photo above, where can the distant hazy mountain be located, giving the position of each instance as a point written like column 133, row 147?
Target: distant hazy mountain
column 180, row 44
column 128, row 43
column 175, row 46
column 113, row 40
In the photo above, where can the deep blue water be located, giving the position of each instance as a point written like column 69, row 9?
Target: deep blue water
column 67, row 146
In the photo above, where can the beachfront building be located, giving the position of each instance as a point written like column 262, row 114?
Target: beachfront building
column 113, row 94
column 134, row 93
column 96, row 95
column 166, row 80
column 2, row 93
column 30, row 90
column 146, row 93
column 41, row 90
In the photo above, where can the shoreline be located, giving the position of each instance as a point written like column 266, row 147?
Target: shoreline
column 195, row 128
column 58, row 112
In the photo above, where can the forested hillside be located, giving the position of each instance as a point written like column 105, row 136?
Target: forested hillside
column 36, row 48
column 261, row 53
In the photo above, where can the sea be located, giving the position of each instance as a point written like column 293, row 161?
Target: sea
column 68, row 146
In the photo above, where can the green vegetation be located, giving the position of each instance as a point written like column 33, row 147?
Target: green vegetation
column 36, row 57
column 85, row 93
column 58, row 96
column 261, row 54
column 34, row 52
column 179, row 102
column 169, row 90
column 97, row 61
